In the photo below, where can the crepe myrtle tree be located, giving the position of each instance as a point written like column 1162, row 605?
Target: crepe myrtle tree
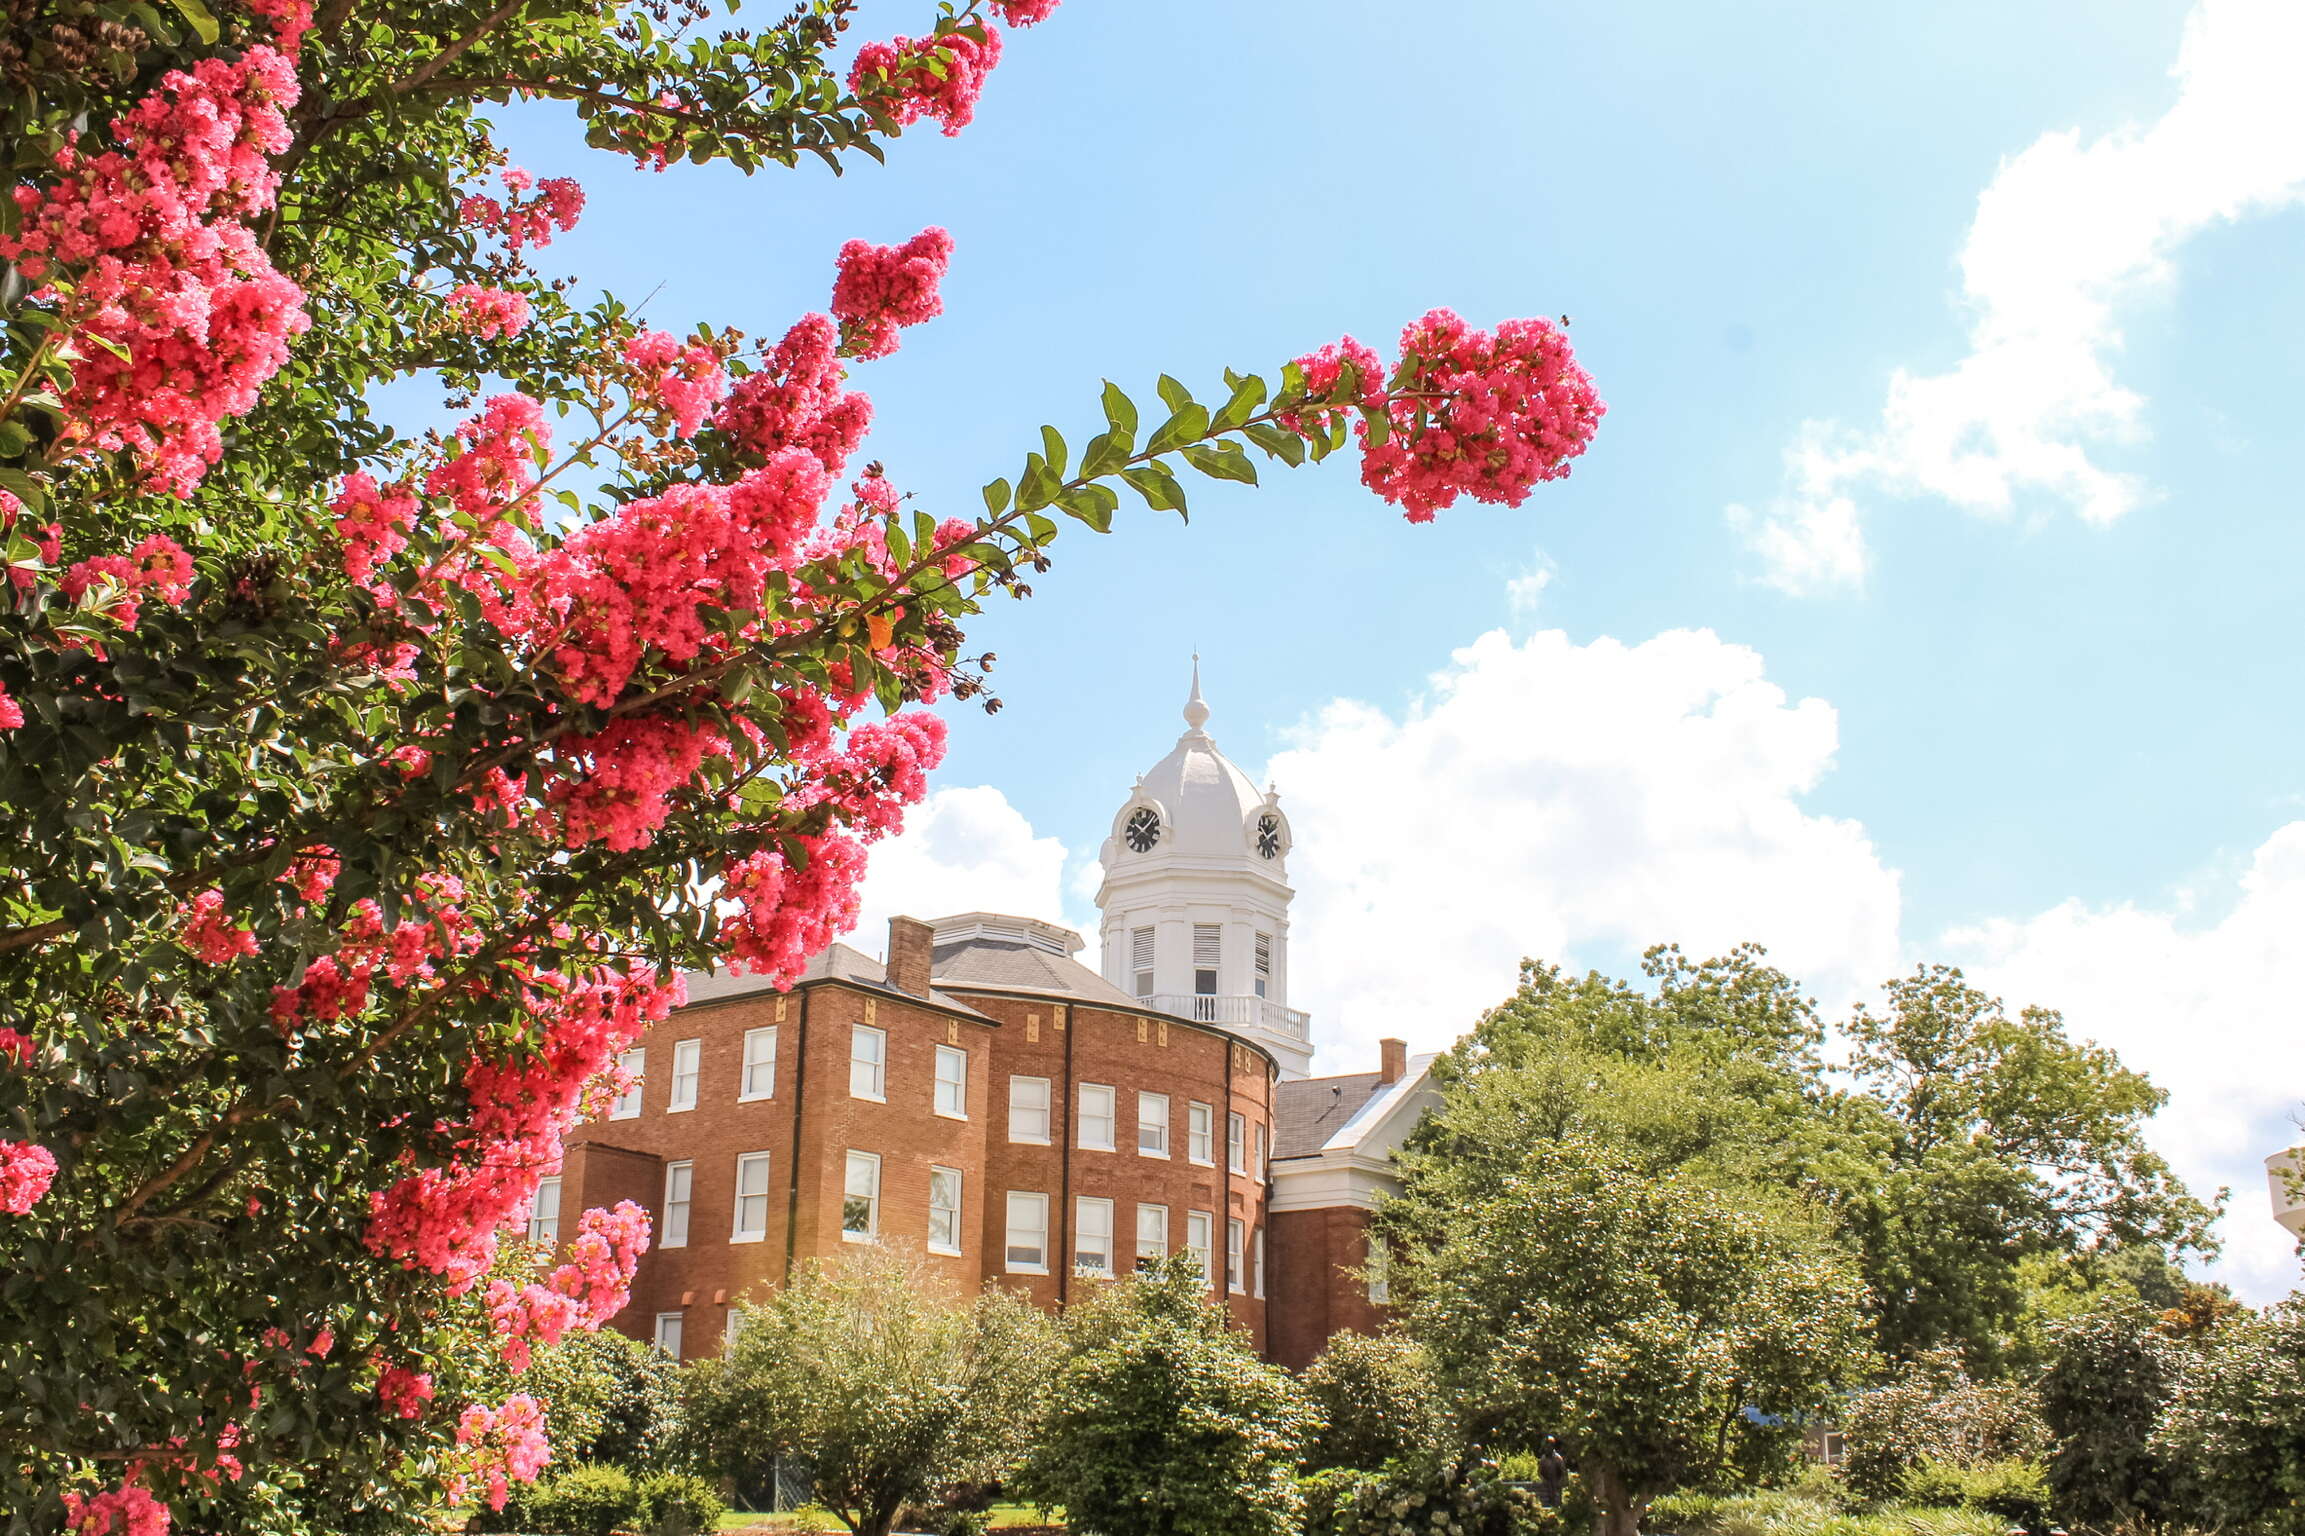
column 365, row 791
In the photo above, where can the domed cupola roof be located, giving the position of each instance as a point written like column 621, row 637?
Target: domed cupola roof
column 1202, row 805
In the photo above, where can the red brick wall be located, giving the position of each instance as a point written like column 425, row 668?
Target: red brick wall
column 624, row 1159
column 1317, row 1293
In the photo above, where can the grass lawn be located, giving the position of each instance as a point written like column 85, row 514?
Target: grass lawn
column 796, row 1521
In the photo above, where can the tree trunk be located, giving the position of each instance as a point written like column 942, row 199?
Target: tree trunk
column 1619, row 1509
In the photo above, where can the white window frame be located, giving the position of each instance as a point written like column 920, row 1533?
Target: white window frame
column 1141, row 953
column 957, row 1208
column 1152, row 1114
column 732, row 1327
column 1379, row 1274
column 1262, row 1168
column 1264, row 963
column 1236, row 1255
column 1258, row 1286
column 626, row 1105
column 1208, row 957
column 1237, row 1143
column 1200, row 1241
column 1035, row 1206
column 687, row 1071
column 952, row 1084
column 1105, row 1116
column 1092, row 1249
column 669, row 1327
column 1155, row 1243
column 1042, row 1109
column 738, row 1232
column 1201, row 1133
column 544, row 1212
column 757, row 1080
column 679, row 1194
column 868, row 1075
column 869, row 1163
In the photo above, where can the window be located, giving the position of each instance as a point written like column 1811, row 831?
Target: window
column 668, row 1333
column 1258, row 1289
column 751, row 1198
column 678, row 1179
column 1236, row 1241
column 733, row 1329
column 1237, row 1143
column 1092, row 1236
column 1027, row 1232
column 627, row 1105
column 1028, row 1109
column 1264, row 1163
column 1199, row 1225
column 687, row 1062
column 944, row 1210
column 759, row 1064
column 1208, row 946
column 1152, row 1233
column 1264, row 975
column 1380, row 1275
column 868, row 1063
column 1096, row 1117
column 1200, row 1133
column 1152, row 1124
column 860, row 1199
column 952, row 1082
column 544, row 1215
column 1140, row 944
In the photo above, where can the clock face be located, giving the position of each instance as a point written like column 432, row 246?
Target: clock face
column 1269, row 836
column 1143, row 829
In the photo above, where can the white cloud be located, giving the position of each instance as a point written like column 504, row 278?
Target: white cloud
column 1525, row 591
column 962, row 850
column 2209, row 1011
column 2065, row 235
column 1569, row 802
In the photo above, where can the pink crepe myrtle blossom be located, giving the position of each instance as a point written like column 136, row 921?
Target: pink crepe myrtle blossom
column 505, row 1444
column 26, row 1171
column 488, row 313
column 129, row 1510
column 403, row 1392
column 520, row 219
column 881, row 288
column 16, row 1049
column 685, row 379
column 795, row 400
column 1024, row 13
column 210, row 935
column 939, row 77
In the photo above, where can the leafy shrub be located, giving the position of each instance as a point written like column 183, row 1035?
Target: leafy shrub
column 2110, row 1374
column 679, row 1504
column 1411, row 1498
column 1374, row 1399
column 1780, row 1512
column 2014, row 1490
column 591, row 1500
column 1934, row 1412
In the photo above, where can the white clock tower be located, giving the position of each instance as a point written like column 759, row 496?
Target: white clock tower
column 1196, row 896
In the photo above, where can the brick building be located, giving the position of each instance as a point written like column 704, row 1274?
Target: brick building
column 981, row 1098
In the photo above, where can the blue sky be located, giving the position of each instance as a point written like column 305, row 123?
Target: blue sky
column 2058, row 744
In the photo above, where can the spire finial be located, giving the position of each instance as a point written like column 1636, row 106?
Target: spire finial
column 1196, row 711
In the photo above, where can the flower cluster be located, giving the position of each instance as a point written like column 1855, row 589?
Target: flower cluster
column 796, row 400
column 529, row 212
column 184, row 315
column 786, row 913
column 403, row 1392
column 882, row 288
column 373, row 523
column 1023, row 13
column 583, row 1293
column 684, row 379
column 158, row 567
column 488, row 313
column 1468, row 412
column 337, row 985
column 129, row 1510
column 210, row 935
column 939, row 77
column 26, row 1170
column 503, row 1445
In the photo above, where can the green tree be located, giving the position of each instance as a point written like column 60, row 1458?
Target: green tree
column 2111, row 1374
column 886, row 1388
column 2232, row 1439
column 1637, row 1313
column 1164, row 1423
column 1374, row 1399
column 362, row 784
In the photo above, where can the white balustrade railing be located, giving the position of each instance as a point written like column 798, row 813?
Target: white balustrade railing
column 1208, row 1008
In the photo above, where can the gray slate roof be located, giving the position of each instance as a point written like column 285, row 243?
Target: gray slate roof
column 1310, row 1110
column 996, row 966
column 835, row 962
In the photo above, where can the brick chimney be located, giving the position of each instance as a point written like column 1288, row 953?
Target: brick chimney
column 911, row 946
column 1392, row 1060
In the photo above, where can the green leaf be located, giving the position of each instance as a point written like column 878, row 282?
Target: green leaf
column 1092, row 504
column 1175, row 395
column 1189, row 424
column 202, row 22
column 1221, row 461
column 1039, row 486
column 996, row 498
column 1107, row 451
column 1119, row 410
column 1283, row 445
column 1053, row 442
column 1157, row 486
column 1248, row 394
